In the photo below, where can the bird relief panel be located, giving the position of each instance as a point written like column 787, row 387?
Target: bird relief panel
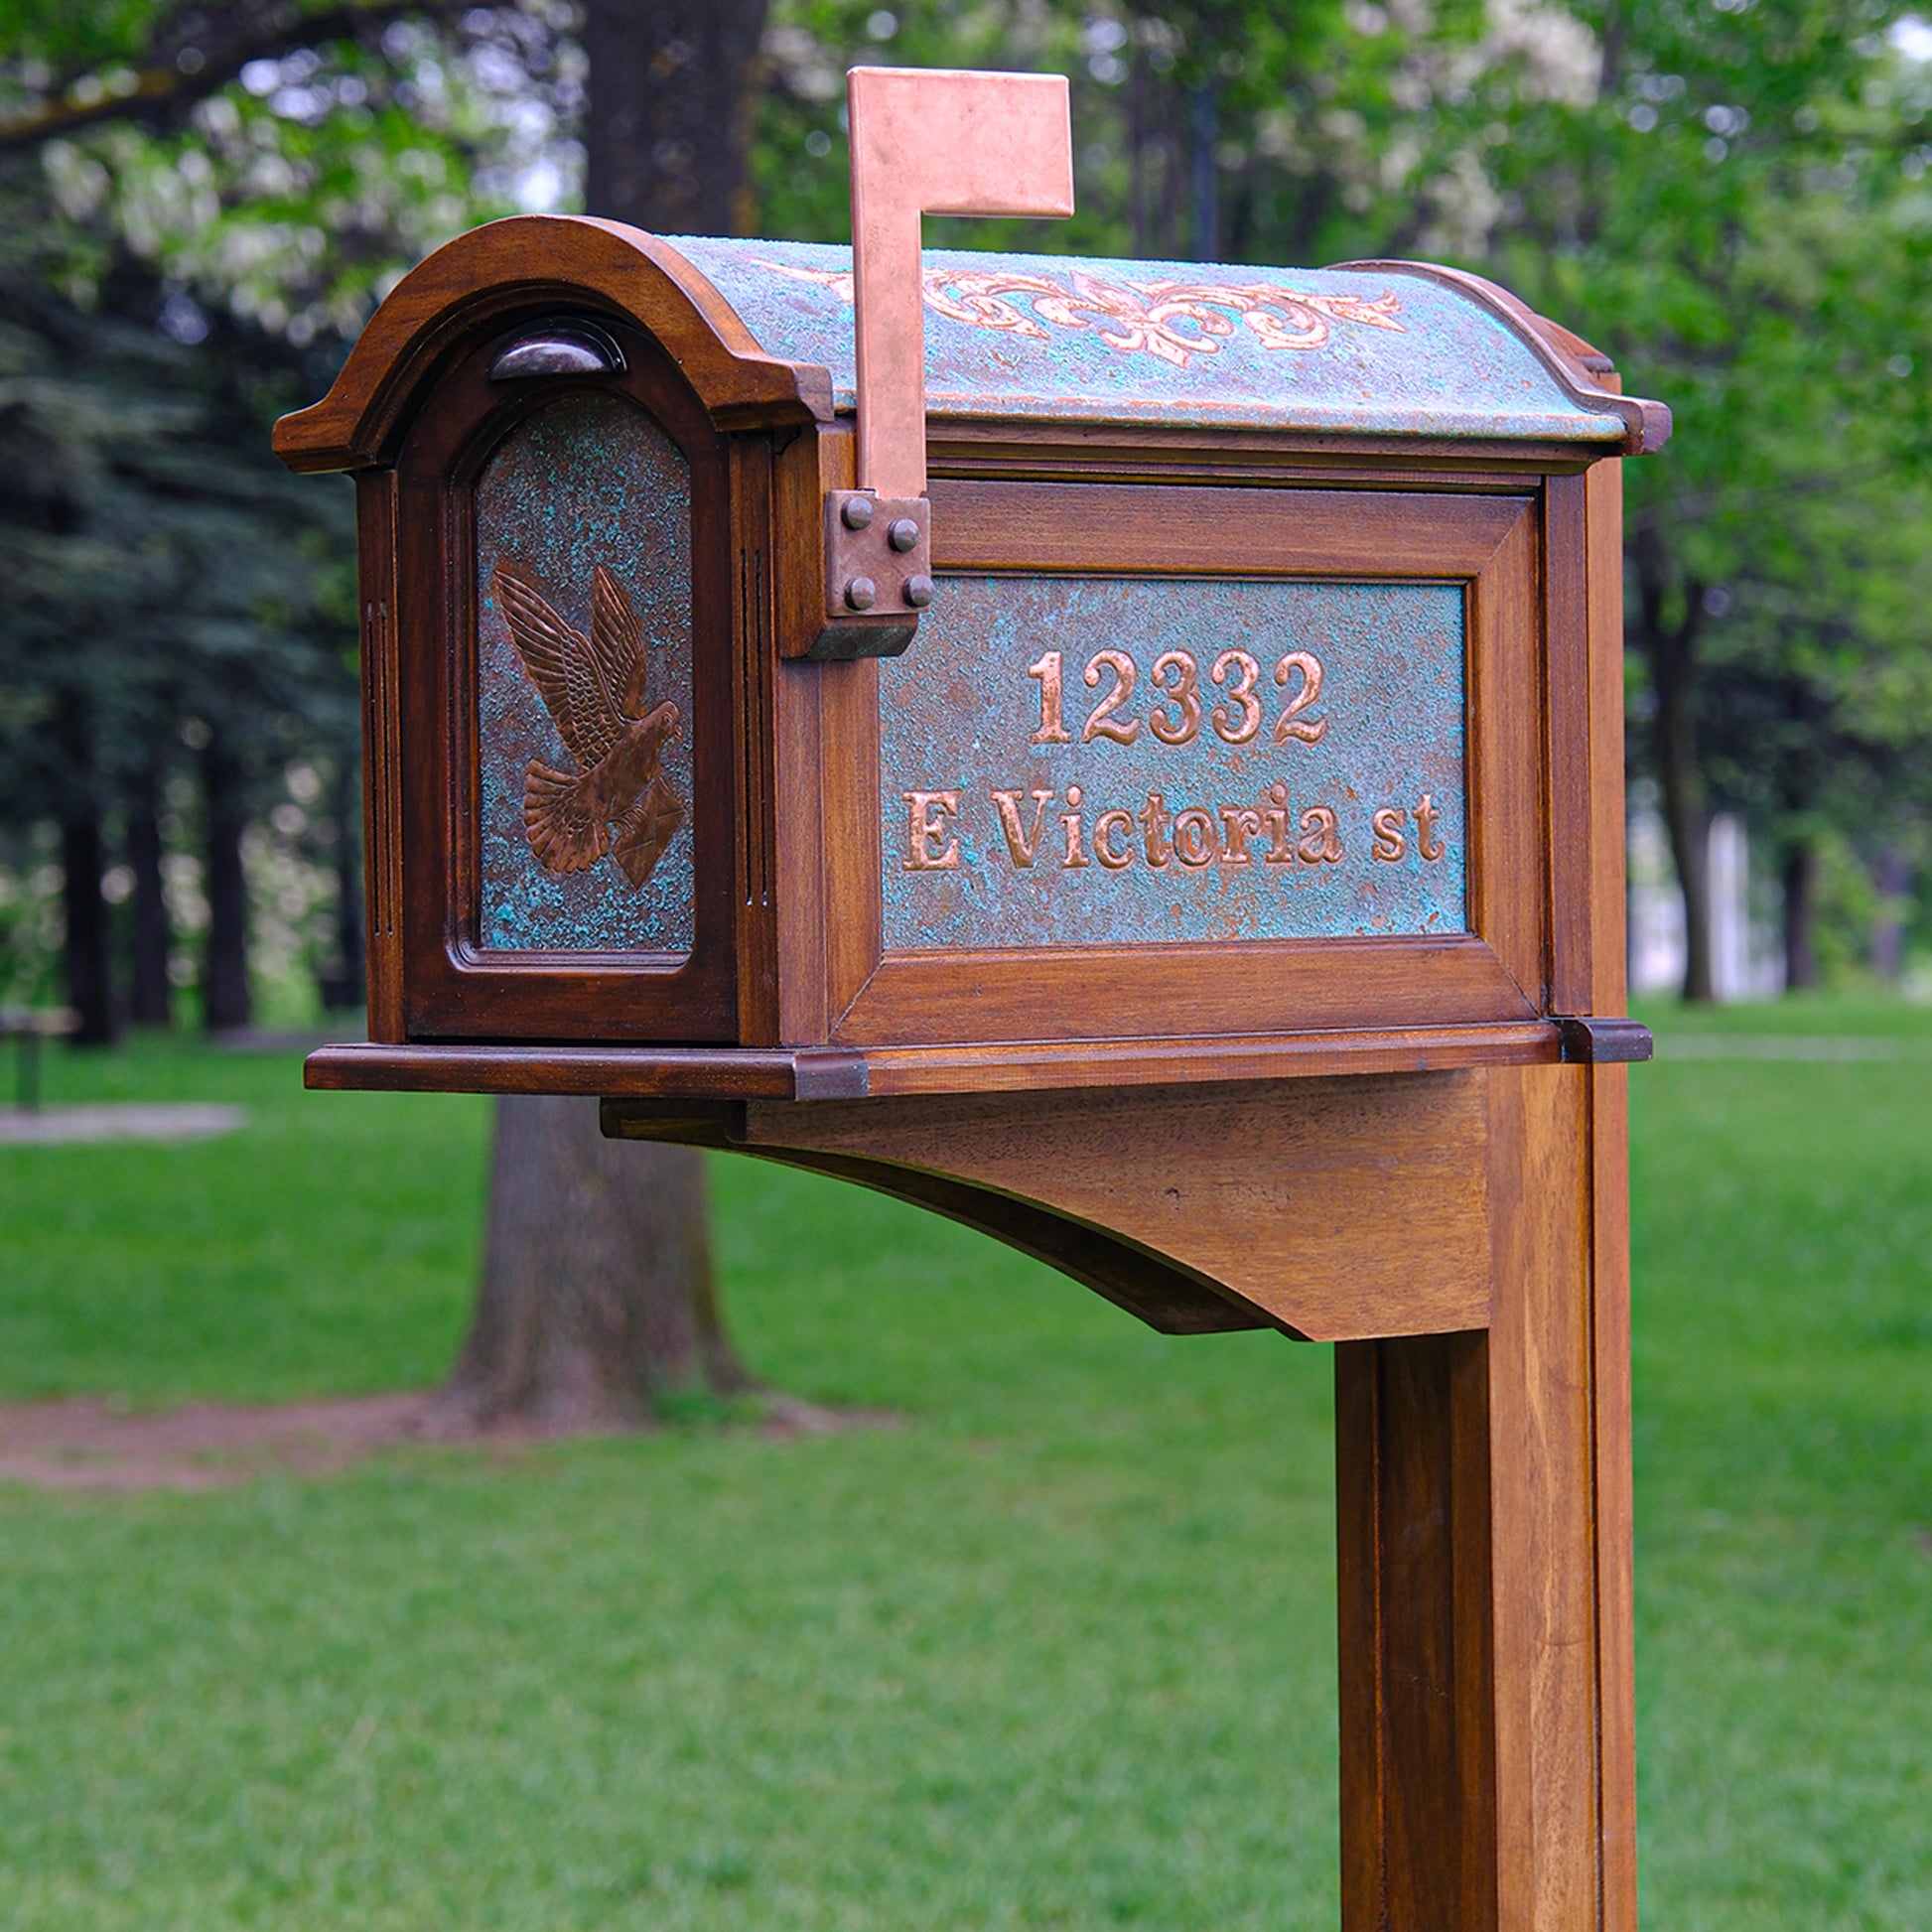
column 583, row 519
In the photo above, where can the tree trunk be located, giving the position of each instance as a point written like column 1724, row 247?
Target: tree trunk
column 87, row 952
column 1140, row 189
column 672, row 89
column 1205, row 171
column 1670, row 650
column 150, row 1003
column 1800, row 880
column 225, row 971
column 1689, row 839
column 87, row 955
column 1894, row 884
column 597, row 1299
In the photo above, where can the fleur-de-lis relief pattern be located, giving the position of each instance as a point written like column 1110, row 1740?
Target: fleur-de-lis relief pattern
column 1172, row 320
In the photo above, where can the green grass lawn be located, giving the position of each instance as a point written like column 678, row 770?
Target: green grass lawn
column 1783, row 1256
column 1056, row 1652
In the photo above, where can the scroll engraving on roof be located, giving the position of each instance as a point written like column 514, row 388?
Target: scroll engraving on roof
column 594, row 690
column 1171, row 321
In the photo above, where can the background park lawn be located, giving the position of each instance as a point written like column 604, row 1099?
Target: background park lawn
column 1055, row 1651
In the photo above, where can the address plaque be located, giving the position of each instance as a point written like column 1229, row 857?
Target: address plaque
column 1120, row 760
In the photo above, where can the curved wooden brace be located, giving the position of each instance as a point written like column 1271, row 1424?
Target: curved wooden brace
column 523, row 265
column 1288, row 1204
column 1174, row 1301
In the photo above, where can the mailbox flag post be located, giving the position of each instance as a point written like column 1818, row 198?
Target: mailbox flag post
column 933, row 141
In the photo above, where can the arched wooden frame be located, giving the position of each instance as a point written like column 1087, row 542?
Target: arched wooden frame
column 532, row 265
column 708, row 381
column 453, row 988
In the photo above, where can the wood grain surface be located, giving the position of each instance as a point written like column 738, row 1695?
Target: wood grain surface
column 819, row 1073
column 1549, row 1767
column 1044, row 451
column 1168, row 1299
column 1567, row 655
column 1414, row 1576
column 1483, row 1549
column 1609, row 1148
column 1304, row 1198
column 382, row 855
column 1089, row 528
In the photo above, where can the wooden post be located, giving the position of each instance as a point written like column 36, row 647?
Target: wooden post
column 1418, row 1826
column 1484, row 1561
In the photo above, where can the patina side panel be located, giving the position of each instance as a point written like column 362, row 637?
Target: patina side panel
column 590, row 481
column 1316, row 787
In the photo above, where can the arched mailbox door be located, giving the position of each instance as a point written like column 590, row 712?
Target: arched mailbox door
column 562, row 604
column 1185, row 841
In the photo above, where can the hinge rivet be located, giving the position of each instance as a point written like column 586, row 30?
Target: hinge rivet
column 862, row 592
column 904, row 534
column 919, row 592
column 857, row 512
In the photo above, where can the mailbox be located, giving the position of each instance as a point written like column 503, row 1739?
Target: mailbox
column 1240, row 723
column 1128, row 755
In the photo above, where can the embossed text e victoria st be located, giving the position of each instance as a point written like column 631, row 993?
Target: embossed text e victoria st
column 1196, row 835
column 1162, row 759
column 1277, row 830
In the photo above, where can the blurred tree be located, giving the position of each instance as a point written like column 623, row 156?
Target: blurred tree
column 674, row 84
column 598, row 1300
column 1737, row 214
column 176, row 274
column 1224, row 129
column 284, row 179
column 1824, row 738
column 145, row 543
column 1732, row 199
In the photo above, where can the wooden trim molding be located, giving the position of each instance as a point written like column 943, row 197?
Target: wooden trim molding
column 529, row 264
column 1497, row 972
column 840, row 1072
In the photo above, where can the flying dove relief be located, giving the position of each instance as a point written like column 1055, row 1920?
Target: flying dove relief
column 594, row 687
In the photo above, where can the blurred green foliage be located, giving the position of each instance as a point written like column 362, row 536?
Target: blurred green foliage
column 174, row 273
column 1730, row 198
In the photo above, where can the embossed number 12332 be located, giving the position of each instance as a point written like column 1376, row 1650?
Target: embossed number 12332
column 1176, row 718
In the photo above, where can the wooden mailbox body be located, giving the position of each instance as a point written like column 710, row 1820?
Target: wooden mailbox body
column 1221, row 896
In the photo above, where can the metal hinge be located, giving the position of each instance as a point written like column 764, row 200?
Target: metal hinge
column 1597, row 1042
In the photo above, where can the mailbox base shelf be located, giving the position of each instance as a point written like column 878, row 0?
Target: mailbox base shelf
column 843, row 1073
